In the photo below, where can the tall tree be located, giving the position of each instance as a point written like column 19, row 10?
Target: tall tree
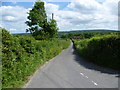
column 38, row 24
column 52, row 28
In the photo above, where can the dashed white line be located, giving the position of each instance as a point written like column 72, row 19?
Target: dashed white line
column 82, row 74
column 94, row 83
column 86, row 76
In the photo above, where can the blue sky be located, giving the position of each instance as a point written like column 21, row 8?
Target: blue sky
column 70, row 15
column 62, row 5
column 21, row 4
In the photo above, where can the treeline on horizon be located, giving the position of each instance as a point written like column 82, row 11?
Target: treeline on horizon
column 86, row 33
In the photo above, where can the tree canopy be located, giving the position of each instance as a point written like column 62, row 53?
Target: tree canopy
column 39, row 26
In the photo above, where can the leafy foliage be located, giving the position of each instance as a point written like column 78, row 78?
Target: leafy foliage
column 102, row 50
column 22, row 55
column 84, row 35
column 40, row 27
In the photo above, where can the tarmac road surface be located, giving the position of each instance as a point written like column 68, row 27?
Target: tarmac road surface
column 68, row 70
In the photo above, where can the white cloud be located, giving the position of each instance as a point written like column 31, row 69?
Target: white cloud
column 9, row 18
column 112, row 6
column 51, row 8
column 84, row 6
column 11, row 29
column 14, row 17
column 86, row 14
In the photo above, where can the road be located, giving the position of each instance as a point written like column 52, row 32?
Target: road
column 68, row 70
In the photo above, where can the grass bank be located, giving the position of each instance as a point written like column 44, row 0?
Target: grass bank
column 22, row 55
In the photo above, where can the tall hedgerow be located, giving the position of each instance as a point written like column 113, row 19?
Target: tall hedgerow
column 102, row 50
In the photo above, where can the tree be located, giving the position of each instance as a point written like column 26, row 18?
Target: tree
column 52, row 29
column 38, row 24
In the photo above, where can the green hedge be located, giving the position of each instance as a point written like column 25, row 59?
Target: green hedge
column 22, row 55
column 102, row 50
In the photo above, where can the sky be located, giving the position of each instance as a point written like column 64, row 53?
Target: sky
column 70, row 14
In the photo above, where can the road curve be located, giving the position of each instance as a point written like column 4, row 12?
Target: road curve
column 68, row 70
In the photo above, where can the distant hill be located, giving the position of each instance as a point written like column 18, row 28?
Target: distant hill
column 21, row 34
column 96, row 30
column 76, row 31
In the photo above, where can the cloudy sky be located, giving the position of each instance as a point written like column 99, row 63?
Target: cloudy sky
column 69, row 14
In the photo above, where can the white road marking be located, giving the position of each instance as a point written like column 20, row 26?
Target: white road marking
column 82, row 74
column 87, row 77
column 94, row 83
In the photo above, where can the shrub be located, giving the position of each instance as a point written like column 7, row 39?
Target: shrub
column 102, row 50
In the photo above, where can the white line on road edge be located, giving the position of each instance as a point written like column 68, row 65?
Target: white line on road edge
column 94, row 83
column 82, row 74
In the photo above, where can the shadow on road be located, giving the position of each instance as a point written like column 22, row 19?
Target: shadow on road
column 92, row 66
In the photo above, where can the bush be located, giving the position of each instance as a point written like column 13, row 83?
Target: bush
column 103, row 50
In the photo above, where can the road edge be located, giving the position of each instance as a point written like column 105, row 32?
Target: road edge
column 40, row 67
